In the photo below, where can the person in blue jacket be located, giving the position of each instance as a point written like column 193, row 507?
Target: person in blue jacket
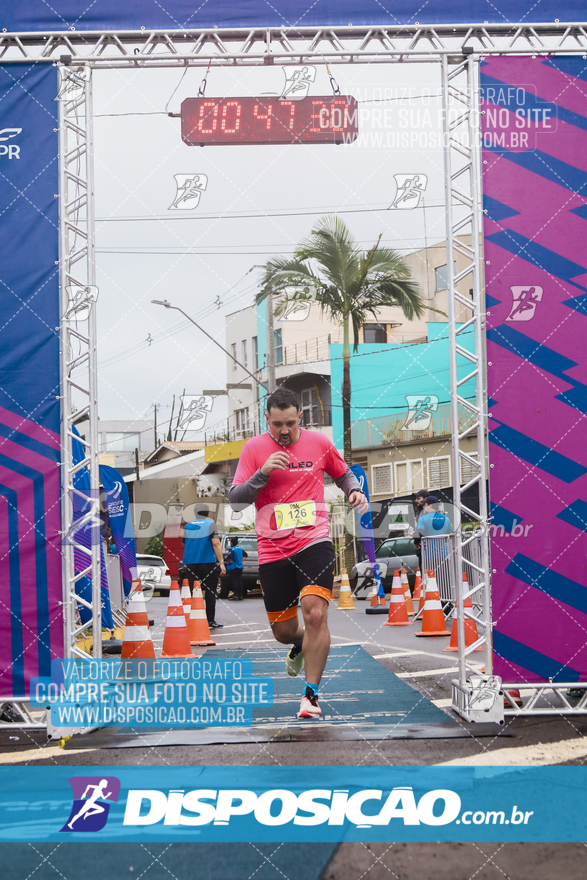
column 433, row 522
column 234, row 567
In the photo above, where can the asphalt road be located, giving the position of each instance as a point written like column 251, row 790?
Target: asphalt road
column 419, row 662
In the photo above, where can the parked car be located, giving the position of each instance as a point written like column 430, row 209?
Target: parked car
column 251, row 581
column 396, row 553
column 153, row 572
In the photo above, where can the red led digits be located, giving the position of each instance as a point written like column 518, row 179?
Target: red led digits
column 237, row 117
column 266, row 116
column 292, row 112
column 314, row 120
column 206, row 117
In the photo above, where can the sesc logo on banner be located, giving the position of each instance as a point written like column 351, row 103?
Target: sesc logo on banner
column 90, row 802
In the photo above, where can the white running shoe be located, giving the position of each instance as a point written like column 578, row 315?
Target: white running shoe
column 309, row 707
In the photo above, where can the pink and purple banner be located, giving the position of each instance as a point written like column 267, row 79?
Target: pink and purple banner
column 534, row 123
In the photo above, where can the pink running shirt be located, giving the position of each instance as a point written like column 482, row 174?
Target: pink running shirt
column 309, row 458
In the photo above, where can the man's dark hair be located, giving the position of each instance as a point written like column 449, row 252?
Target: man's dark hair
column 423, row 493
column 283, row 398
column 202, row 511
column 234, row 541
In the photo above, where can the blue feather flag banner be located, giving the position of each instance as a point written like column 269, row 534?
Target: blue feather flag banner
column 366, row 527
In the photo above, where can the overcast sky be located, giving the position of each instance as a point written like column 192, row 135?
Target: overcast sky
column 142, row 245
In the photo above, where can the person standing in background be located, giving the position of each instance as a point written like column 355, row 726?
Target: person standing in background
column 234, row 567
column 202, row 560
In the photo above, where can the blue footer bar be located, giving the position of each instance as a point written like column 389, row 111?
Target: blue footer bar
column 264, row 804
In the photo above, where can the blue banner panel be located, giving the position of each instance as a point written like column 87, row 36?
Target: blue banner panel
column 105, row 15
column 292, row 804
column 31, row 624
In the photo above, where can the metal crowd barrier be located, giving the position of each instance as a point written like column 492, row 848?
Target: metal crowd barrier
column 439, row 554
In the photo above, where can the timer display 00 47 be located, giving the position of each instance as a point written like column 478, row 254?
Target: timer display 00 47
column 266, row 120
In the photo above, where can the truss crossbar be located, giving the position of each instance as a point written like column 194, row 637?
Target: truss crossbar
column 257, row 46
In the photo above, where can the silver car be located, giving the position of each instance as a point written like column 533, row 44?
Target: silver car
column 152, row 570
column 396, row 553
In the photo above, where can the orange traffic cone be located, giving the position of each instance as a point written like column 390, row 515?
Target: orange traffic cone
column 471, row 634
column 433, row 623
column 199, row 631
column 418, row 598
column 398, row 615
column 176, row 642
column 186, row 599
column 345, row 598
column 408, row 596
column 137, row 642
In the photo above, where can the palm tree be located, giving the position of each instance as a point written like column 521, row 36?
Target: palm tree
column 350, row 285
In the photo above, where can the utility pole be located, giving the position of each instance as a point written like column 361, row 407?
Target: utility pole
column 155, row 408
column 270, row 346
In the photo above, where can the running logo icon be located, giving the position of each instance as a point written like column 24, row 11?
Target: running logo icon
column 297, row 304
column 525, row 300
column 297, row 82
column 90, row 802
column 72, row 83
column 410, row 188
column 195, row 409
column 421, row 408
column 189, row 188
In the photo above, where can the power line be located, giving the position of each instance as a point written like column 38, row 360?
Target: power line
column 261, row 214
column 278, row 250
column 176, row 328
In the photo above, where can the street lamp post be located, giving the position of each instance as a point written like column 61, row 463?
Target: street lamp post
column 163, row 302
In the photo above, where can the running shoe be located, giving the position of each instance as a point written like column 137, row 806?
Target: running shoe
column 309, row 707
column 294, row 662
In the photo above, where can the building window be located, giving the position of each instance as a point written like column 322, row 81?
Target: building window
column 122, row 442
column 409, row 476
column 442, row 276
column 312, row 408
column 255, row 352
column 241, row 420
column 278, row 344
column 381, row 479
column 233, row 353
column 244, row 351
column 375, row 333
column 468, row 471
column 439, row 472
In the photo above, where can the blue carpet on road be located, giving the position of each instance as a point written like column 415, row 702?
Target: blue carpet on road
column 231, row 861
column 356, row 689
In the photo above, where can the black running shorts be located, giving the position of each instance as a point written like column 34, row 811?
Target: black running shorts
column 310, row 572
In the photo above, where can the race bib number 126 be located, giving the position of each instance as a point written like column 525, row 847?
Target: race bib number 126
column 295, row 514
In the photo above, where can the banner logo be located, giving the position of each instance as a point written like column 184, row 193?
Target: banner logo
column 90, row 802
column 10, row 150
column 297, row 82
column 189, row 188
column 421, row 408
column 525, row 300
column 410, row 188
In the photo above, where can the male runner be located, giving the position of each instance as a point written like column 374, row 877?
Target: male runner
column 282, row 471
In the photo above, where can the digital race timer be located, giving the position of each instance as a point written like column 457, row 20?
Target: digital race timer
column 266, row 120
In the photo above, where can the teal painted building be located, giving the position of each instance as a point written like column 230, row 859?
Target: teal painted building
column 389, row 380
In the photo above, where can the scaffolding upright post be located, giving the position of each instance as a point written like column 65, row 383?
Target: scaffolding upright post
column 79, row 378
column 466, row 315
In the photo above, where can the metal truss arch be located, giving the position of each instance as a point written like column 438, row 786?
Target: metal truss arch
column 291, row 45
